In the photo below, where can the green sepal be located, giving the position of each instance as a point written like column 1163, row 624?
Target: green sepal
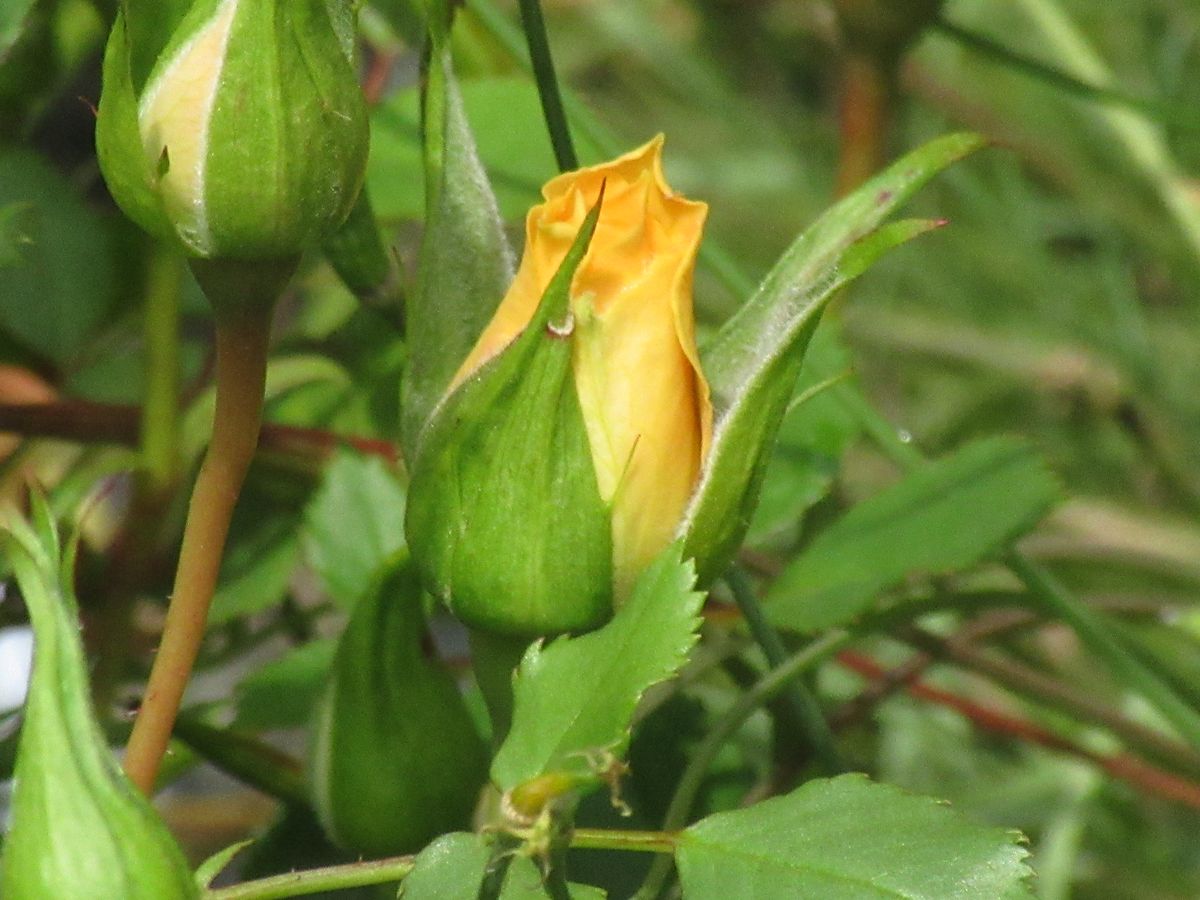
column 753, row 362
column 284, row 184
column 396, row 758
column 371, row 271
column 466, row 264
column 505, row 518
column 80, row 830
column 129, row 176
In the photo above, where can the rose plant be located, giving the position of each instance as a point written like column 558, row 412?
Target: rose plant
column 521, row 617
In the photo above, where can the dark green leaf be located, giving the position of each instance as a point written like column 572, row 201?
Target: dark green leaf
column 282, row 693
column 57, row 283
column 946, row 516
column 850, row 839
column 577, row 695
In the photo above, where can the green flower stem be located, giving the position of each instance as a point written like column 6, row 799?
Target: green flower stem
column 243, row 297
column 382, row 871
column 804, row 705
column 1053, row 598
column 614, row 839
column 547, row 85
column 160, row 332
column 494, row 658
column 1167, row 113
column 317, row 881
column 706, row 753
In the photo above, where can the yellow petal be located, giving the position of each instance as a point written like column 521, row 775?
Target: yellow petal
column 644, row 399
column 174, row 116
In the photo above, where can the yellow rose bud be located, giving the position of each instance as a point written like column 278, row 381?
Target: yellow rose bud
column 644, row 399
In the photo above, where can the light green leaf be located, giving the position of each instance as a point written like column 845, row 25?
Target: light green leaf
column 254, row 575
column 578, row 695
column 946, row 516
column 354, row 525
column 80, row 829
column 451, row 868
column 753, row 362
column 850, row 839
column 14, row 16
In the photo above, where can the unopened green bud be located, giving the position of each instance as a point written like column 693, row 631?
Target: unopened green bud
column 505, row 517
column 247, row 136
column 80, row 830
column 396, row 759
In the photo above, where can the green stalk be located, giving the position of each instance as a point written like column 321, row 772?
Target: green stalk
column 547, row 85
column 616, row 839
column 317, row 881
column 803, row 704
column 243, row 297
column 160, row 408
column 748, row 703
column 1053, row 598
column 134, row 550
column 1168, row 113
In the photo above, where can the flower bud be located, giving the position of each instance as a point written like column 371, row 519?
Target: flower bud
column 247, row 136
column 80, row 830
column 396, row 759
column 528, row 457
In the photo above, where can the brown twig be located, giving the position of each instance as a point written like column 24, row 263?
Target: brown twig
column 85, row 422
column 1032, row 683
column 1122, row 766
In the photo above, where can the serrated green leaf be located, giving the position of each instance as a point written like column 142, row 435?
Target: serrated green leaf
column 354, row 525
column 578, row 695
column 451, row 868
column 80, row 829
column 946, row 516
column 753, row 362
column 466, row 263
column 848, row 838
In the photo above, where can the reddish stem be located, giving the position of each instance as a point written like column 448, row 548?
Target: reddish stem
column 1123, row 766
